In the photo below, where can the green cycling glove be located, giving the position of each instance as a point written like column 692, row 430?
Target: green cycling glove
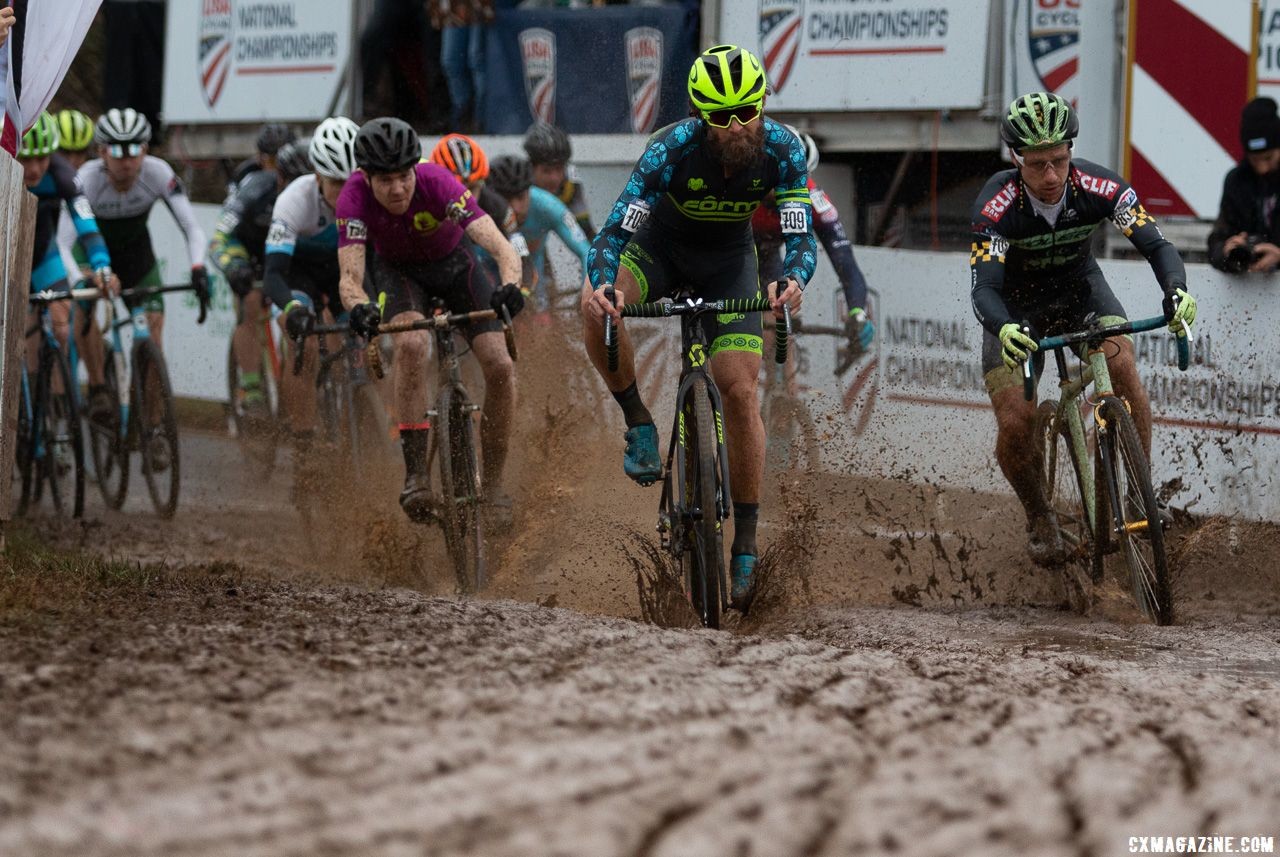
column 1184, row 312
column 1015, row 346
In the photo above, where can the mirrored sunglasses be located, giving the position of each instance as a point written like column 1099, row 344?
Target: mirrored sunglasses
column 124, row 150
column 746, row 114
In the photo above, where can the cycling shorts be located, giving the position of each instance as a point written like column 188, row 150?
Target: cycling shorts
column 459, row 279
column 663, row 266
column 318, row 282
column 1050, row 319
column 151, row 303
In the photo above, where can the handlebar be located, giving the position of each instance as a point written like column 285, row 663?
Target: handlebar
column 694, row 307
column 1097, row 333
column 442, row 321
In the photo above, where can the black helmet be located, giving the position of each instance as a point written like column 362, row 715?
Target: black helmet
column 272, row 136
column 293, row 159
column 547, row 144
column 387, row 145
column 510, row 176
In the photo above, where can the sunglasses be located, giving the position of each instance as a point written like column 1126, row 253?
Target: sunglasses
column 124, row 150
column 746, row 114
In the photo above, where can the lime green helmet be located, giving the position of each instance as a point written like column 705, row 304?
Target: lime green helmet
column 1039, row 120
column 41, row 138
column 75, row 130
column 726, row 76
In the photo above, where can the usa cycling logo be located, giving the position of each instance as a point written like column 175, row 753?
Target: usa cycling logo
column 644, row 74
column 1053, row 34
column 214, row 55
column 780, row 33
column 538, row 53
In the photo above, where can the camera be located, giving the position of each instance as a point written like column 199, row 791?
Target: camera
column 1240, row 258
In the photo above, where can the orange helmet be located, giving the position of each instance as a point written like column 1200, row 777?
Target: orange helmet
column 462, row 156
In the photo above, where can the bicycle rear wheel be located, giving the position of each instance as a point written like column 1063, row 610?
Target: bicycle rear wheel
column 461, row 507
column 1136, row 525
column 108, row 441
column 703, row 557
column 157, row 427
column 257, row 438
column 24, row 448
column 1063, row 479
column 62, row 465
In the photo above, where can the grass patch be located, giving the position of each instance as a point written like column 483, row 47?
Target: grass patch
column 36, row 578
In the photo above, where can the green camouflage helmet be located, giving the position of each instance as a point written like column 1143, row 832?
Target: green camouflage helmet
column 41, row 138
column 1038, row 120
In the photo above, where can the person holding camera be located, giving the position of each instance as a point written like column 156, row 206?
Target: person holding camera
column 1246, row 236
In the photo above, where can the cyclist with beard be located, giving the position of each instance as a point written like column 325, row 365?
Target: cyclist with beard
column 684, row 220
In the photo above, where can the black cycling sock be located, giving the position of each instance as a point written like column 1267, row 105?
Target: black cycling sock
column 413, row 443
column 744, row 528
column 633, row 408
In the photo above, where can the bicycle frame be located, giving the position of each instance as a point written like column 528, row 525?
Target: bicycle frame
column 1071, row 389
column 350, row 354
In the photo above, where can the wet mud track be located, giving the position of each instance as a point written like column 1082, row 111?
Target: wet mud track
column 906, row 686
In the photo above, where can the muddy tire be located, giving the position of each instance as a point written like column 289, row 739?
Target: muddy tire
column 703, row 559
column 1063, row 476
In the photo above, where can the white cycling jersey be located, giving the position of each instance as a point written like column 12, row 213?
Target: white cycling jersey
column 156, row 181
column 301, row 215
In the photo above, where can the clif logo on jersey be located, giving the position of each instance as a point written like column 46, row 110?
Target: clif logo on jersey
column 780, row 33
column 538, row 53
column 213, row 59
column 644, row 75
column 1053, row 36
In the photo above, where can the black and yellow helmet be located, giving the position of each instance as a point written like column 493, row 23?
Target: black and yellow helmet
column 726, row 76
column 75, row 130
column 1038, row 120
column 41, row 138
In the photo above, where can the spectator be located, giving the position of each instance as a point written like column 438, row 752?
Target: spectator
column 1246, row 236
column 133, row 67
column 462, row 24
column 398, row 33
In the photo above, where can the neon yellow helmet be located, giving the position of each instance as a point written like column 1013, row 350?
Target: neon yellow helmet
column 1039, row 120
column 726, row 76
column 41, row 138
column 75, row 130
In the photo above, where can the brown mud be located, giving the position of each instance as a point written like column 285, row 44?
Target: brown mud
column 905, row 684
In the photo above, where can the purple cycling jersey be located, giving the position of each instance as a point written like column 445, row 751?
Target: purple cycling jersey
column 429, row 230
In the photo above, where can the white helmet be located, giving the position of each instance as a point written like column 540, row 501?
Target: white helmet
column 122, row 126
column 810, row 148
column 333, row 147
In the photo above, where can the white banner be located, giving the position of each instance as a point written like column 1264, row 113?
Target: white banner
column 249, row 61
column 833, row 55
column 1269, row 50
column 41, row 45
column 1068, row 47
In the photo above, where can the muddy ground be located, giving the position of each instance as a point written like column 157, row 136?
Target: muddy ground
column 905, row 684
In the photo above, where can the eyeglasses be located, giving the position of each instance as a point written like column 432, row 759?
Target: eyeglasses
column 124, row 150
column 1055, row 164
column 746, row 114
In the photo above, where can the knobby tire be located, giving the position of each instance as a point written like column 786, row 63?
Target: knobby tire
column 151, row 379
column 1063, row 483
column 704, row 546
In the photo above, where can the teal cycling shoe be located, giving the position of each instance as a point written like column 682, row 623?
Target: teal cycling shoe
column 741, row 569
column 641, row 461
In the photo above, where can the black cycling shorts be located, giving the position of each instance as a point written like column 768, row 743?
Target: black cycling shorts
column 459, row 279
column 664, row 266
column 1050, row 319
column 318, row 281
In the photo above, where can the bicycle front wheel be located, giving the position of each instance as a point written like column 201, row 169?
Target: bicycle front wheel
column 157, row 427
column 257, row 437
column 108, row 440
column 62, row 466
column 1136, row 523
column 461, row 508
column 24, row 448
column 703, row 557
column 1064, row 475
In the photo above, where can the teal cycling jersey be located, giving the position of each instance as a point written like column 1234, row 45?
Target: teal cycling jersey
column 680, row 187
column 548, row 214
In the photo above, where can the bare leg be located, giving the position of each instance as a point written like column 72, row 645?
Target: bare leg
column 737, row 376
column 1124, row 377
column 499, row 404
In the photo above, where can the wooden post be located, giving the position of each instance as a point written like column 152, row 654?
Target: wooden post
column 17, row 235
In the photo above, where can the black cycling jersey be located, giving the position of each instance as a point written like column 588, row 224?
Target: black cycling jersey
column 1018, row 259
column 681, row 189
column 246, row 215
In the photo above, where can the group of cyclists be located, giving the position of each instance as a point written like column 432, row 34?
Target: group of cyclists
column 365, row 223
